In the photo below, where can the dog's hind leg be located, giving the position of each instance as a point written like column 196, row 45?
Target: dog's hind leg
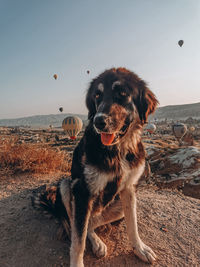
column 112, row 213
column 128, row 197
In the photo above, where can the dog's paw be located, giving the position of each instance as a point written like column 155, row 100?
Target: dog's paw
column 144, row 252
column 98, row 247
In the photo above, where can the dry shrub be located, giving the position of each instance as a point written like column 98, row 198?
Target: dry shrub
column 34, row 158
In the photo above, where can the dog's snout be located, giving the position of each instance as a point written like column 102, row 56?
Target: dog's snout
column 100, row 121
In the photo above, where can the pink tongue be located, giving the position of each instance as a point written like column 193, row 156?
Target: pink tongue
column 107, row 139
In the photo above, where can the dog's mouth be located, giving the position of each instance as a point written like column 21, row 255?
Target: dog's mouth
column 109, row 139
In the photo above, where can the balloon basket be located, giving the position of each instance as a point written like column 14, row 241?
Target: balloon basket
column 73, row 137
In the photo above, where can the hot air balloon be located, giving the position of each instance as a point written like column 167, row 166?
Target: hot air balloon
column 88, row 72
column 61, row 109
column 180, row 42
column 72, row 126
column 179, row 130
column 151, row 128
column 55, row 76
column 192, row 129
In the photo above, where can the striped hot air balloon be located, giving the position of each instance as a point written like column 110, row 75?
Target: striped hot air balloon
column 72, row 125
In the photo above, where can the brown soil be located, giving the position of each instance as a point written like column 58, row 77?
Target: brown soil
column 168, row 222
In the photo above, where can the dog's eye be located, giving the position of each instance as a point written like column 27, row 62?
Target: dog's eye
column 122, row 93
column 97, row 95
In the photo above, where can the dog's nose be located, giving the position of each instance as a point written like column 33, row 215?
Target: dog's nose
column 100, row 122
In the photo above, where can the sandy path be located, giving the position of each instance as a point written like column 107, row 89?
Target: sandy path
column 29, row 239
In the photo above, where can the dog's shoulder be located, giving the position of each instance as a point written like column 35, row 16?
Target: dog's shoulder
column 77, row 160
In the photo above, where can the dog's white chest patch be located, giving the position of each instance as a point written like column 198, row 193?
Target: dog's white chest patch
column 95, row 179
column 130, row 176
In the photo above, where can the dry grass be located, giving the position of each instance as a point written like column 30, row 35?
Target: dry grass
column 34, row 158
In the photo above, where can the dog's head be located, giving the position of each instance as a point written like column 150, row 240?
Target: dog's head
column 116, row 99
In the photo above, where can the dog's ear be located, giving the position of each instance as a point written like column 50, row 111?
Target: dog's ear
column 90, row 103
column 146, row 102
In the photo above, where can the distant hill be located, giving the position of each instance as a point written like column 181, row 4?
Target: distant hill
column 176, row 112
column 40, row 120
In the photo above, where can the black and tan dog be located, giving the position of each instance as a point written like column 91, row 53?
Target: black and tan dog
column 107, row 165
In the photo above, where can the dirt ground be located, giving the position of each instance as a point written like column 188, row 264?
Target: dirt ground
column 168, row 222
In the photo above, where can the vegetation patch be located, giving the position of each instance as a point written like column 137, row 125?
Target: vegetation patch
column 34, row 158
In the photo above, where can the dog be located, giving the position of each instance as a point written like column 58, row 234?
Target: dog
column 107, row 165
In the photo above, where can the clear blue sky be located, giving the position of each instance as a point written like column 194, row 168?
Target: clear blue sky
column 41, row 37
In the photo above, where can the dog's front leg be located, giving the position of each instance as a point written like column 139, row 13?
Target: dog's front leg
column 128, row 197
column 81, row 209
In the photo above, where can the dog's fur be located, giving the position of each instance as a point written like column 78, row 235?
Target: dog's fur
column 105, row 172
